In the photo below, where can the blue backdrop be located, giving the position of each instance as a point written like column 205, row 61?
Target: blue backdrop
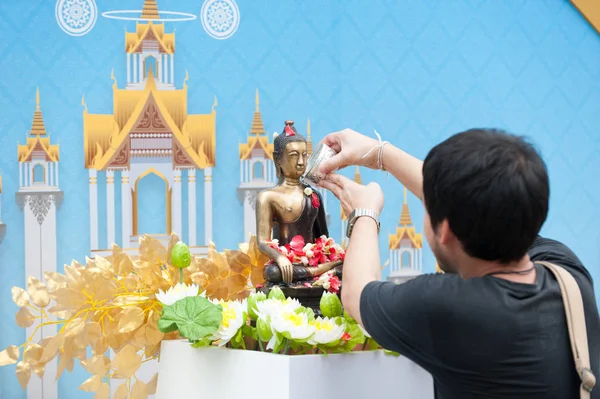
column 417, row 71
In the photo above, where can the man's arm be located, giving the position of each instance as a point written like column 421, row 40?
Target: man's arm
column 407, row 169
column 361, row 265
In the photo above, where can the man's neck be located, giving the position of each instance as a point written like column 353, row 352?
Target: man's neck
column 519, row 271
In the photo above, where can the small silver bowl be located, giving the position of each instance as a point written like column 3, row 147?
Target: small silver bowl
column 312, row 174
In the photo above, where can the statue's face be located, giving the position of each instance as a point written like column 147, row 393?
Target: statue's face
column 293, row 160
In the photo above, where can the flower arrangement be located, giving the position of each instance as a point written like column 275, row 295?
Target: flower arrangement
column 323, row 250
column 275, row 323
column 130, row 304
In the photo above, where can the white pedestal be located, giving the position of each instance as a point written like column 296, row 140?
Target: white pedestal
column 189, row 373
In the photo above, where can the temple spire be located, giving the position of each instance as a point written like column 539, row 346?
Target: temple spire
column 257, row 127
column 150, row 10
column 357, row 177
column 405, row 219
column 37, row 127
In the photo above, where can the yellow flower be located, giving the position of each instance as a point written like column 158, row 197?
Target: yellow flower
column 234, row 317
column 326, row 331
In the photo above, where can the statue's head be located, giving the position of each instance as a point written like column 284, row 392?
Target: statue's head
column 290, row 152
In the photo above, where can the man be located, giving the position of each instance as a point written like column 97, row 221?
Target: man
column 494, row 325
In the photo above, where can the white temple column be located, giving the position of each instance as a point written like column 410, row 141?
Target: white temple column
column 207, row 205
column 159, row 68
column 56, row 174
column 242, row 163
column 110, row 208
column 128, row 67
column 47, row 173
column 93, row 210
column 20, row 175
column 172, row 69
column 28, row 175
column 126, row 210
column 192, row 206
column 141, row 67
column 176, row 204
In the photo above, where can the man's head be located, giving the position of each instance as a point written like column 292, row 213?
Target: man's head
column 486, row 195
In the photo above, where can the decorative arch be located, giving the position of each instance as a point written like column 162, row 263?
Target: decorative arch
column 135, row 202
column 150, row 63
column 39, row 173
column 405, row 259
column 258, row 170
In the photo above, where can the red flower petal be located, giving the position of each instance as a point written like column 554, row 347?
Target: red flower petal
column 315, row 200
column 307, row 285
column 346, row 337
column 297, row 243
column 334, row 284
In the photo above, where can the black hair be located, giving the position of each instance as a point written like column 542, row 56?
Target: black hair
column 492, row 188
column 282, row 140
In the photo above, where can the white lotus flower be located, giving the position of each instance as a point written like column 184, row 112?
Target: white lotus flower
column 292, row 325
column 234, row 317
column 271, row 307
column 326, row 331
column 179, row 291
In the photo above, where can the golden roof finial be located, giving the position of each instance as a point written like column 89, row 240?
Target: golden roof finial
column 257, row 127
column 150, row 10
column 215, row 103
column 405, row 219
column 257, row 102
column 37, row 127
column 83, row 103
column 357, row 177
column 309, row 146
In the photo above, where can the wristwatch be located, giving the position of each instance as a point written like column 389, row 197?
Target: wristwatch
column 360, row 212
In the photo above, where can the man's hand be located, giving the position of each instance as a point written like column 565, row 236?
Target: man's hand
column 353, row 195
column 351, row 147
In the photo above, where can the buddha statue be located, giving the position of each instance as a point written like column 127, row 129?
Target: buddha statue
column 290, row 209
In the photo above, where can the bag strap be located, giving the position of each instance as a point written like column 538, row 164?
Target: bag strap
column 573, row 304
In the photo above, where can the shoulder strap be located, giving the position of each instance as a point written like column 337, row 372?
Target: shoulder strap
column 573, row 303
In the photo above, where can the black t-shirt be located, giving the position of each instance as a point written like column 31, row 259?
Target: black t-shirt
column 487, row 337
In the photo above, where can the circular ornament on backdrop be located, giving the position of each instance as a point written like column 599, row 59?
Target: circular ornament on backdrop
column 76, row 17
column 220, row 18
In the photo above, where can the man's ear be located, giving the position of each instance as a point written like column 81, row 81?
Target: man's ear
column 444, row 233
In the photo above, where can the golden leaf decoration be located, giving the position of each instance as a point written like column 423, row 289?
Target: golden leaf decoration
column 9, row 355
column 38, row 292
column 152, row 251
column 238, row 262
column 52, row 347
column 39, row 369
column 103, row 392
column 19, row 296
column 73, row 275
column 67, row 361
column 97, row 365
column 55, row 280
column 127, row 361
column 92, row 384
column 93, row 333
column 121, row 262
column 24, row 318
column 23, row 373
column 122, row 392
column 74, row 327
column 69, row 298
column 33, row 353
column 131, row 319
column 153, row 335
column 151, row 385
column 139, row 391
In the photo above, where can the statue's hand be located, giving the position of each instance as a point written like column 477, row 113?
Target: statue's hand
column 287, row 270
